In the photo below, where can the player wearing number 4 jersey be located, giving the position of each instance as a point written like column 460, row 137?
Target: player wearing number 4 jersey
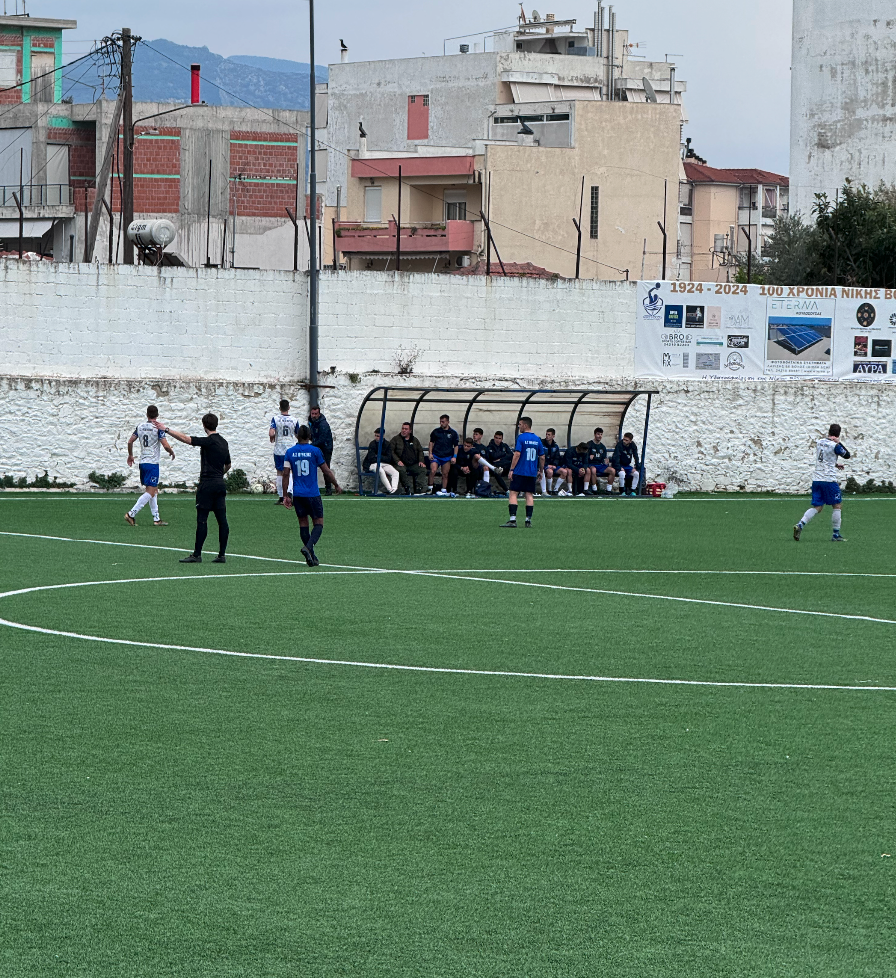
column 525, row 470
column 825, row 488
column 282, row 434
column 305, row 459
column 150, row 440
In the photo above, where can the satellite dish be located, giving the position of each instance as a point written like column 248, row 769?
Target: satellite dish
column 536, row 16
column 649, row 90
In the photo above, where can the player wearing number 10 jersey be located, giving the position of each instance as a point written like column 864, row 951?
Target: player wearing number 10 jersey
column 305, row 459
column 526, row 468
column 150, row 439
column 282, row 435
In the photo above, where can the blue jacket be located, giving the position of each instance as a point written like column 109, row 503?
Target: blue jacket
column 553, row 455
column 321, row 435
column 622, row 456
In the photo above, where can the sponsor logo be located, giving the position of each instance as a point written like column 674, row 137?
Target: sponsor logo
column 713, row 317
column 675, row 339
column 709, row 341
column 869, row 368
column 653, row 304
column 676, row 360
column 865, row 315
column 881, row 348
column 739, row 342
column 739, row 320
column 893, row 318
column 674, row 317
column 734, row 361
column 709, row 361
column 694, row 317
column 860, row 346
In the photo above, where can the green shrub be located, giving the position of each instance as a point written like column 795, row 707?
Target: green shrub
column 853, row 486
column 40, row 482
column 115, row 480
column 236, row 481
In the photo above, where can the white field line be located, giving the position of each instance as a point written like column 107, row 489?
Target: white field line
column 121, row 497
column 434, row 669
column 459, row 571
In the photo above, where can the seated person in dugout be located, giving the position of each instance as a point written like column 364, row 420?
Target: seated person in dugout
column 578, row 463
column 410, row 461
column 554, row 471
column 626, row 463
column 388, row 472
column 599, row 463
column 500, row 455
column 465, row 468
column 479, row 454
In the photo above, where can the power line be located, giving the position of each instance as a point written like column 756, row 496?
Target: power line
column 335, row 149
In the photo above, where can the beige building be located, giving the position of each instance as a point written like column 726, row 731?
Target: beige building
column 622, row 164
column 724, row 213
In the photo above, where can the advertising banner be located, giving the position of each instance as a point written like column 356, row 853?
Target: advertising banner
column 716, row 331
column 700, row 329
column 865, row 339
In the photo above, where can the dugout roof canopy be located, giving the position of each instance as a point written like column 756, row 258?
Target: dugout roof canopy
column 574, row 414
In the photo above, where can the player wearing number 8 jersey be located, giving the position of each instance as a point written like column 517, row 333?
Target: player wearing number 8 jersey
column 305, row 459
column 825, row 488
column 282, row 434
column 526, row 468
column 150, row 441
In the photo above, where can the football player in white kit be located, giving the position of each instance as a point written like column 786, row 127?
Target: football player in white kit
column 282, row 433
column 825, row 488
column 150, row 439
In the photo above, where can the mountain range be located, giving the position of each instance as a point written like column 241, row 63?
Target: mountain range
column 161, row 74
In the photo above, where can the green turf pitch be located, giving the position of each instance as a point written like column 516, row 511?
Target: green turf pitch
column 174, row 812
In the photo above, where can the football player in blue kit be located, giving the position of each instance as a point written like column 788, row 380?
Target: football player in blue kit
column 443, row 442
column 150, row 440
column 525, row 470
column 305, row 459
column 553, row 465
column 825, row 488
column 282, row 434
column 626, row 462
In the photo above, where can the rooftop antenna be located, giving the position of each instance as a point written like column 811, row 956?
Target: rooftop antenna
column 536, row 17
column 649, row 90
column 524, row 129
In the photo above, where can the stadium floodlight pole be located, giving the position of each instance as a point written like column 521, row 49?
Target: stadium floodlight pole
column 312, row 232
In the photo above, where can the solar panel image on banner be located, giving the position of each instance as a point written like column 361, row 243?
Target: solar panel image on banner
column 796, row 336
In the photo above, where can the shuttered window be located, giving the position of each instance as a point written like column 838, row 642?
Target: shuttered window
column 595, row 211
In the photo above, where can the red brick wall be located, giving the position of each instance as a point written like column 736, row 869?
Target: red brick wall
column 153, row 195
column 42, row 42
column 12, row 96
column 259, row 162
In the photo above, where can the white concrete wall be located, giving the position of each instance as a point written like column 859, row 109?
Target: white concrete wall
column 84, row 349
column 61, row 320
column 843, row 97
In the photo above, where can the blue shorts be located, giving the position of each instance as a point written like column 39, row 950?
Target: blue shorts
column 149, row 474
column 279, row 462
column 441, row 461
column 601, row 468
column 628, row 469
column 826, row 494
column 308, row 506
column 522, row 483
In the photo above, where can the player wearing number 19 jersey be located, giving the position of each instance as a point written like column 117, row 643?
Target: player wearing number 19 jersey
column 282, row 434
column 150, row 439
column 825, row 488
column 527, row 465
column 305, row 459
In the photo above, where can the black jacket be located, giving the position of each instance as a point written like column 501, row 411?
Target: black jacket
column 321, row 435
column 499, row 455
column 386, row 457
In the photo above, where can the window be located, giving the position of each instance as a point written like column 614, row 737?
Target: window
column 748, row 197
column 43, row 84
column 418, row 117
column 455, row 205
column 769, row 201
column 685, row 199
column 595, row 210
column 373, row 205
column 8, row 69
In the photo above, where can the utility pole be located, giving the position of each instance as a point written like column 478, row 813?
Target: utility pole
column 312, row 236
column 127, row 157
column 578, row 224
column 662, row 226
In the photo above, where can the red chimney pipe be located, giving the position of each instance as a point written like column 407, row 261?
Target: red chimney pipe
column 194, row 84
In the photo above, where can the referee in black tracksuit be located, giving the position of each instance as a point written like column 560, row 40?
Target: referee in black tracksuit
column 212, row 490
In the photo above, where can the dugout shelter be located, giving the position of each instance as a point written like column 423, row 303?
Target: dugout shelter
column 574, row 414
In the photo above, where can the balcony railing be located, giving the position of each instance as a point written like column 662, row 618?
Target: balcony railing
column 38, row 195
column 362, row 238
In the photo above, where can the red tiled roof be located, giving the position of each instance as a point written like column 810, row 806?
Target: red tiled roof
column 512, row 268
column 700, row 173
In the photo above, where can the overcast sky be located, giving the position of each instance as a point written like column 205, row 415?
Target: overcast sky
column 735, row 58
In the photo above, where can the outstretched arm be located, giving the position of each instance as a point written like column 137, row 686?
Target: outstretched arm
column 179, row 435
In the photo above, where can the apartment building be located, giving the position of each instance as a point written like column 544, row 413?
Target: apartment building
column 554, row 124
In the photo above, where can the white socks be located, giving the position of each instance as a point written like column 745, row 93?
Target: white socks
column 557, row 483
column 544, row 485
column 808, row 515
column 587, row 484
column 837, row 520
column 154, row 507
column 141, row 502
column 486, row 475
column 279, row 480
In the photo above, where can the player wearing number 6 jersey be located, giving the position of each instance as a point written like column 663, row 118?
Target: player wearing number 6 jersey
column 150, row 440
column 282, row 434
column 825, row 488
column 525, row 470
column 305, row 459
